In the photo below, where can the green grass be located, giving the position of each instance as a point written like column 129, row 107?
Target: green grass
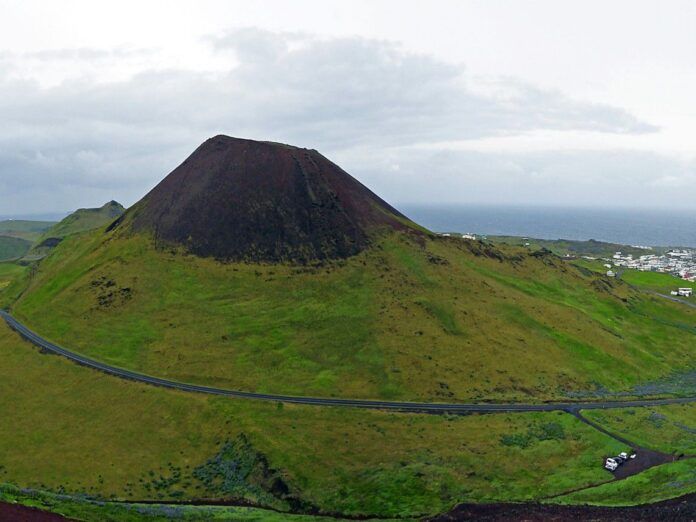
column 80, row 221
column 85, row 219
column 446, row 320
column 654, row 281
column 656, row 484
column 568, row 247
column 13, row 247
column 671, row 429
column 29, row 230
column 649, row 281
column 88, row 510
column 9, row 273
column 78, row 431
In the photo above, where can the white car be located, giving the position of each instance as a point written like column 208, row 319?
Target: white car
column 611, row 464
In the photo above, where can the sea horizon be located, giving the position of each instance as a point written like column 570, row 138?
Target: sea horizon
column 643, row 227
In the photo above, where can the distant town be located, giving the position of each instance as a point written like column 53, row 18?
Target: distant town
column 680, row 263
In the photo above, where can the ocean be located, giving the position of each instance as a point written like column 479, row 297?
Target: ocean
column 626, row 226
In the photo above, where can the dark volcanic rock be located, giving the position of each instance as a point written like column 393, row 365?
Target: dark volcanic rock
column 683, row 508
column 236, row 199
column 15, row 512
column 50, row 242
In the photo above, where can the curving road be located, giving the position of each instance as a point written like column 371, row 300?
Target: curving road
column 413, row 407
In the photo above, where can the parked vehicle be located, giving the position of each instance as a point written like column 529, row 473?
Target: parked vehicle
column 611, row 464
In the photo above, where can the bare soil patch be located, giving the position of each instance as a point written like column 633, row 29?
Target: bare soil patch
column 17, row 513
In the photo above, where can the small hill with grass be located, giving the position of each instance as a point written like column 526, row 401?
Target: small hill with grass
column 24, row 229
column 13, row 247
column 265, row 267
column 81, row 220
column 17, row 236
column 86, row 219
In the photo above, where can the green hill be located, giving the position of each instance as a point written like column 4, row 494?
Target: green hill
column 318, row 287
column 85, row 219
column 29, row 230
column 81, row 220
column 13, row 247
column 569, row 247
column 406, row 315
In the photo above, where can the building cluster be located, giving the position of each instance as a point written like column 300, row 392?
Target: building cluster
column 680, row 263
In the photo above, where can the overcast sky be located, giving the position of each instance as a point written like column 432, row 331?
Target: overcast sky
column 507, row 102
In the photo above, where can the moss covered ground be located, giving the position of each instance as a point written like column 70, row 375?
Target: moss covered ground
column 670, row 429
column 654, row 485
column 445, row 320
column 79, row 432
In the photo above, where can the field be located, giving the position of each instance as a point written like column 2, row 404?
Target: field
column 29, row 230
column 86, row 509
column 671, row 429
column 85, row 219
column 443, row 320
column 653, row 281
column 568, row 247
column 13, row 247
column 81, row 432
column 9, row 273
column 654, row 485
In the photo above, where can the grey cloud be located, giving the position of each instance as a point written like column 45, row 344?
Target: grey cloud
column 86, row 54
column 82, row 142
column 609, row 178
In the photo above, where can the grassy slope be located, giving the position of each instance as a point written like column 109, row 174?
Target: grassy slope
column 85, row 219
column 9, row 274
column 29, row 230
column 13, row 247
column 447, row 321
column 88, row 510
column 14, row 278
column 80, row 431
column 650, row 281
column 653, row 281
column 654, row 485
column 570, row 247
column 671, row 429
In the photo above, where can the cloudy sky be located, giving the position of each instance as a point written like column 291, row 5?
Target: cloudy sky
column 496, row 102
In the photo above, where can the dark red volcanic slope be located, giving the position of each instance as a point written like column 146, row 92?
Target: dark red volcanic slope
column 237, row 199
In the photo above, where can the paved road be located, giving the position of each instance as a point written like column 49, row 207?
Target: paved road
column 676, row 299
column 415, row 407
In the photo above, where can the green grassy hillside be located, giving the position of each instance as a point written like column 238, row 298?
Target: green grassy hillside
column 569, row 247
column 13, row 247
column 29, row 230
column 79, row 221
column 430, row 318
column 85, row 219
column 671, row 429
column 654, row 485
column 84, row 433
